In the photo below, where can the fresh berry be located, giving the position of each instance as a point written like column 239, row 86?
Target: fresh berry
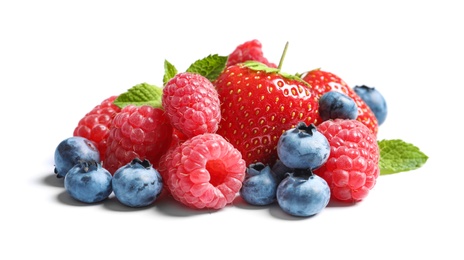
column 95, row 125
column 260, row 185
column 88, row 182
column 258, row 104
column 334, row 104
column 249, row 51
column 303, row 194
column 205, row 171
column 303, row 147
column 323, row 81
column 192, row 104
column 353, row 165
column 137, row 184
column 70, row 151
column 375, row 100
column 142, row 132
column 280, row 170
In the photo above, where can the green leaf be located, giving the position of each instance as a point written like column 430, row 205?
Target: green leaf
column 209, row 67
column 398, row 156
column 169, row 72
column 141, row 94
column 256, row 65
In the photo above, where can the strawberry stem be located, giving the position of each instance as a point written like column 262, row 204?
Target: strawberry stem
column 283, row 56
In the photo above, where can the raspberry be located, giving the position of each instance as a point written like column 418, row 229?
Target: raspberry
column 205, row 171
column 142, row 132
column 250, row 50
column 192, row 104
column 95, row 125
column 353, row 165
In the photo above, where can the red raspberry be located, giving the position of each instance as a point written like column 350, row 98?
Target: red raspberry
column 353, row 165
column 205, row 171
column 95, row 125
column 250, row 50
column 192, row 104
column 137, row 132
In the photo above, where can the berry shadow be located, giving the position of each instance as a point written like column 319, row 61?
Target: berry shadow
column 112, row 203
column 51, row 180
column 277, row 212
column 165, row 204
column 340, row 204
column 64, row 198
column 239, row 202
column 274, row 209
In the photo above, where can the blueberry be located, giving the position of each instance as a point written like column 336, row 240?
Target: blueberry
column 70, row 151
column 280, row 170
column 334, row 104
column 374, row 100
column 303, row 147
column 260, row 185
column 137, row 184
column 303, row 194
column 88, row 182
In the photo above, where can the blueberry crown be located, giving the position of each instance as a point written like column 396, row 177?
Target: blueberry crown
column 303, row 128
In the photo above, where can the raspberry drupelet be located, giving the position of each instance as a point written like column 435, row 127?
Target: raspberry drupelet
column 204, row 171
column 352, row 168
column 192, row 104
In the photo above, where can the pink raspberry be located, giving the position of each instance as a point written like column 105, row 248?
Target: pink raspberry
column 250, row 50
column 142, row 132
column 192, row 104
column 353, row 165
column 204, row 171
column 95, row 125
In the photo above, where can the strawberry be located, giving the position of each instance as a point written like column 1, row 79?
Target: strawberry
column 258, row 104
column 323, row 81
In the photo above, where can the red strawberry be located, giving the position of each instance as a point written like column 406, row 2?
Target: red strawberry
column 258, row 104
column 323, row 81
column 249, row 51
column 95, row 125
column 142, row 132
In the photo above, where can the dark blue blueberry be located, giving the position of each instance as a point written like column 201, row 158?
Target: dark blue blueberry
column 260, row 185
column 334, row 104
column 280, row 170
column 374, row 100
column 137, row 184
column 70, row 151
column 303, row 194
column 303, row 147
column 88, row 182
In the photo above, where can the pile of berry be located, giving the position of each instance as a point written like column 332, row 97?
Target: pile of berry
column 227, row 126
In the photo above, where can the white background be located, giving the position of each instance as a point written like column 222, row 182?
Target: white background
column 58, row 59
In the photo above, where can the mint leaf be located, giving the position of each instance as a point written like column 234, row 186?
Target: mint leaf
column 209, row 67
column 169, row 72
column 399, row 156
column 141, row 94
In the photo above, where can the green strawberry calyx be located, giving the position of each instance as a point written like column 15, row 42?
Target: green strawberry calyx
column 259, row 66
